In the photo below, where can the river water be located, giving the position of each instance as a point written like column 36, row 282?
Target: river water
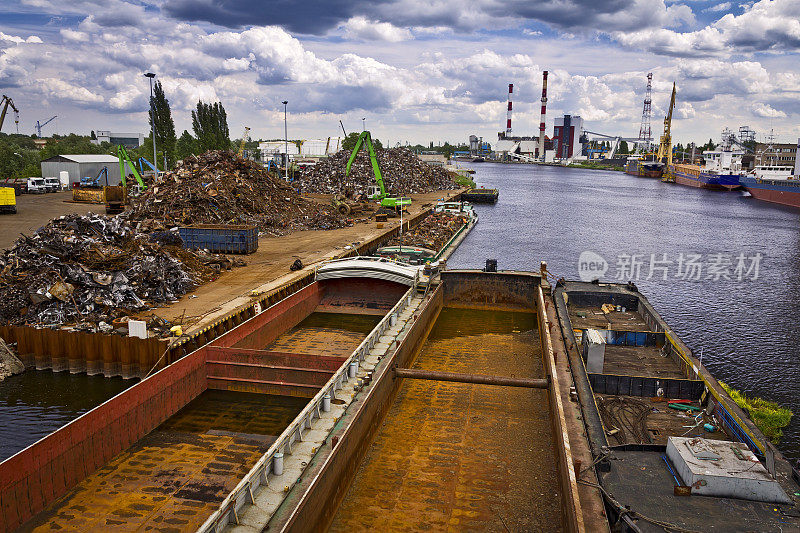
column 746, row 326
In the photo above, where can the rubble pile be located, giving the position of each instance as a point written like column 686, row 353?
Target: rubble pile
column 403, row 173
column 219, row 187
column 433, row 232
column 89, row 270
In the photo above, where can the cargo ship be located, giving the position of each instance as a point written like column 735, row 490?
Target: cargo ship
column 720, row 171
column 779, row 184
column 635, row 166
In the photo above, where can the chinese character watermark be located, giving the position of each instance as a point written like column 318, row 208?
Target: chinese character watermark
column 681, row 266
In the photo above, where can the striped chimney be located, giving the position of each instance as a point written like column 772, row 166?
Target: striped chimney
column 508, row 115
column 544, row 109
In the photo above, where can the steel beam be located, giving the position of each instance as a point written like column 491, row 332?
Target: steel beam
column 530, row 383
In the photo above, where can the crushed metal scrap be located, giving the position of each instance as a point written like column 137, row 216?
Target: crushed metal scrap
column 219, row 187
column 90, row 270
column 403, row 173
column 433, row 232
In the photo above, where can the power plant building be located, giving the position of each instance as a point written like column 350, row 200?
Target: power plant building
column 566, row 136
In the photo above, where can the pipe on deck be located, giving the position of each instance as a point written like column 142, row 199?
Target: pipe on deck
column 530, row 383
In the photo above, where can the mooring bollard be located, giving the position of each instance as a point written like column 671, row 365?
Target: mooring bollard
column 277, row 464
column 326, row 403
column 352, row 369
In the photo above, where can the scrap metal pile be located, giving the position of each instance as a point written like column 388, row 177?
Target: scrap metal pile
column 219, row 187
column 89, row 270
column 433, row 232
column 403, row 173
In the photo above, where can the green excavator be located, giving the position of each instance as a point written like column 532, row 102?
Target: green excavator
column 377, row 192
column 122, row 155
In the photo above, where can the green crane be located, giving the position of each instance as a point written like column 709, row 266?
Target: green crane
column 376, row 193
column 122, row 154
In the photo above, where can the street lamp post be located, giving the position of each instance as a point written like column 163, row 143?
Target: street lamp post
column 153, row 119
column 364, row 124
column 285, row 143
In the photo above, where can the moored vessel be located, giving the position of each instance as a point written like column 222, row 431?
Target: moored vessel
column 779, row 184
column 720, row 170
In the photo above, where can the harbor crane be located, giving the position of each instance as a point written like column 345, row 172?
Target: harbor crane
column 615, row 140
column 40, row 126
column 665, row 146
column 5, row 103
column 245, row 136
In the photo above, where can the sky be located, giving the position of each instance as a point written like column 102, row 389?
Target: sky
column 415, row 70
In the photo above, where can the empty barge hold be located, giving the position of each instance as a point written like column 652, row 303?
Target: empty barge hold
column 481, row 196
column 194, row 439
column 672, row 451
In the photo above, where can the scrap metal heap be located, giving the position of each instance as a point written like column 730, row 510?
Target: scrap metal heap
column 433, row 232
column 219, row 187
column 403, row 173
column 90, row 270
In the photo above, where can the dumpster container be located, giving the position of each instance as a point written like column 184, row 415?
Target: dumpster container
column 221, row 238
column 8, row 200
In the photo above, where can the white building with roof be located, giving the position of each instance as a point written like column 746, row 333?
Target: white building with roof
column 82, row 165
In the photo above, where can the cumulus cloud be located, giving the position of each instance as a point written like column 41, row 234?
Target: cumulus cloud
column 766, row 111
column 363, row 29
column 767, row 25
column 97, row 64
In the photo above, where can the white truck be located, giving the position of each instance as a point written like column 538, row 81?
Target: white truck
column 36, row 186
column 52, row 184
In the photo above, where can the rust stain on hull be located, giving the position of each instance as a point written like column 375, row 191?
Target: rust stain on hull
column 172, row 479
column 463, row 457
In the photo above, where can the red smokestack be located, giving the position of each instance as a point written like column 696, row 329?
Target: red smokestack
column 508, row 116
column 544, row 109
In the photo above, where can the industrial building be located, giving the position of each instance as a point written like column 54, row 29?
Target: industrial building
column 566, row 136
column 320, row 147
column 783, row 154
column 128, row 140
column 78, row 166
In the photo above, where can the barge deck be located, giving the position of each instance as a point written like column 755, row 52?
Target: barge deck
column 644, row 397
column 462, row 456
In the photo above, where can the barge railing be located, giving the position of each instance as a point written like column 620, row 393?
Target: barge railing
column 272, row 460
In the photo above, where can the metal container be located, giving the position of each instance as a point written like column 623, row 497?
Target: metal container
column 221, row 238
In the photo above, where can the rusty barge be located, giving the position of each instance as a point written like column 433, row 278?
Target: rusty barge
column 373, row 398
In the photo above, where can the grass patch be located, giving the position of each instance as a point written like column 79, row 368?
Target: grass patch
column 595, row 166
column 463, row 181
column 768, row 416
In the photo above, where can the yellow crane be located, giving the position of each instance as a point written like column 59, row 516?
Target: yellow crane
column 245, row 136
column 665, row 146
column 5, row 103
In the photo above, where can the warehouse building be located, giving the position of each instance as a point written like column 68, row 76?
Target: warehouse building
column 78, row 166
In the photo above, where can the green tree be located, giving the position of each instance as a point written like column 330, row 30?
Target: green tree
column 210, row 125
column 185, row 146
column 623, row 148
column 447, row 150
column 349, row 142
column 164, row 125
column 92, row 136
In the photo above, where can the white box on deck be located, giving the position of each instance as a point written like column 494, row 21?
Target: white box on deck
column 724, row 469
column 594, row 351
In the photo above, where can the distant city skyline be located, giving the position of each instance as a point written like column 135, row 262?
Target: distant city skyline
column 418, row 71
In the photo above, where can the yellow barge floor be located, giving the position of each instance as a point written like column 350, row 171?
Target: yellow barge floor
column 461, row 457
column 176, row 476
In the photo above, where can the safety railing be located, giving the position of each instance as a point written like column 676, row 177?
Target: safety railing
column 272, row 460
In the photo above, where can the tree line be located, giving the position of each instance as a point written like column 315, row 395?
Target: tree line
column 20, row 158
